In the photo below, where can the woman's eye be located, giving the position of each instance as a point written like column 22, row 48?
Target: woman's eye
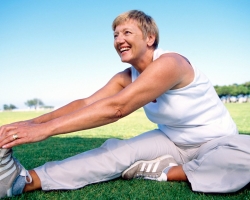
column 127, row 32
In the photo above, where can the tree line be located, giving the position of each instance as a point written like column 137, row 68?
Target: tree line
column 32, row 103
column 9, row 107
column 233, row 90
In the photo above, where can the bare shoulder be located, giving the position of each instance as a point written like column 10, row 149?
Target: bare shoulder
column 123, row 78
column 180, row 65
column 176, row 59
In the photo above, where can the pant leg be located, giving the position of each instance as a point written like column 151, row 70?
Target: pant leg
column 221, row 165
column 106, row 162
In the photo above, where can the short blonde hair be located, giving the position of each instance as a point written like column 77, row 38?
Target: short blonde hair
column 145, row 23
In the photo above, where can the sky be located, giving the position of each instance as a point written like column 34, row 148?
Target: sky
column 62, row 50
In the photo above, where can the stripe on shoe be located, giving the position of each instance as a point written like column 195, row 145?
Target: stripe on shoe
column 143, row 167
column 155, row 167
column 2, row 152
column 6, row 159
column 149, row 167
column 7, row 166
column 11, row 170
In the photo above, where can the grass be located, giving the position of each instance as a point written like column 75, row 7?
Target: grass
column 63, row 146
column 241, row 115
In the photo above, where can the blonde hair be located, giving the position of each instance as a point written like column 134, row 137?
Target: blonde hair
column 145, row 23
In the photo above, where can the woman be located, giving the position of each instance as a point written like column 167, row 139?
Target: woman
column 194, row 132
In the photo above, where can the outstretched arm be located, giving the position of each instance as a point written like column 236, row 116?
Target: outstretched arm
column 117, row 83
column 170, row 71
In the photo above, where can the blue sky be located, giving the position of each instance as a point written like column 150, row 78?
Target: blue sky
column 62, row 50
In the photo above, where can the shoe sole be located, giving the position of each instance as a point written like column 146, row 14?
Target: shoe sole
column 146, row 161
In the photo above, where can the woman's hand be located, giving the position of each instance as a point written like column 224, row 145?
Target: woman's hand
column 20, row 123
column 21, row 133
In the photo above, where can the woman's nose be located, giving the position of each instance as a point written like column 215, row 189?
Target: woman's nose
column 119, row 39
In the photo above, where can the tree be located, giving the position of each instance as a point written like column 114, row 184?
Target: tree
column 5, row 107
column 247, row 84
column 222, row 90
column 242, row 90
column 9, row 107
column 233, row 90
column 34, row 103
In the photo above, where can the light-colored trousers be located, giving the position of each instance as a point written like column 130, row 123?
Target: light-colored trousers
column 221, row 165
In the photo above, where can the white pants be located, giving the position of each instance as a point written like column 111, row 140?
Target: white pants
column 221, row 165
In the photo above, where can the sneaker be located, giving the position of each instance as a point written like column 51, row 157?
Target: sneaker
column 10, row 170
column 152, row 170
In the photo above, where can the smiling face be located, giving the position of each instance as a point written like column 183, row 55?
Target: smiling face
column 130, row 43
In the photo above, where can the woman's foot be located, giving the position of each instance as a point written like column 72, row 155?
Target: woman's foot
column 154, row 169
column 13, row 176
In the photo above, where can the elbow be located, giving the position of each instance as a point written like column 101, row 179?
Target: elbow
column 121, row 112
column 120, row 108
column 118, row 114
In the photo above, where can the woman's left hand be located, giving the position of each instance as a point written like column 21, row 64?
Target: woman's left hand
column 12, row 135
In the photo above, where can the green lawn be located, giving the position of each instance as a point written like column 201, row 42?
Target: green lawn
column 60, row 147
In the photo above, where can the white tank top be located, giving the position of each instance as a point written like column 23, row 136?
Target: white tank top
column 190, row 115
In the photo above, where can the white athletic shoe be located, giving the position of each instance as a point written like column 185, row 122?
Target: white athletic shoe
column 10, row 169
column 152, row 170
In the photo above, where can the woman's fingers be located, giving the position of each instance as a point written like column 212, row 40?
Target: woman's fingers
column 12, row 140
column 5, row 133
column 8, row 135
column 22, row 135
column 12, row 136
column 5, row 128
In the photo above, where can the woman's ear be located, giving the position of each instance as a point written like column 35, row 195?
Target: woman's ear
column 150, row 40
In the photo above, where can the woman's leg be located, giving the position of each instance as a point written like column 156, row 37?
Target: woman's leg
column 221, row 165
column 176, row 173
column 35, row 183
column 104, row 163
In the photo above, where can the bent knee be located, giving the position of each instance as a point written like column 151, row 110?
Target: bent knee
column 113, row 143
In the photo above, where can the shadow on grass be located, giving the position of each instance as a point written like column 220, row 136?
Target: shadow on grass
column 54, row 148
column 244, row 133
column 58, row 148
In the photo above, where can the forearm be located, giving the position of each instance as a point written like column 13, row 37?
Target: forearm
column 94, row 115
column 65, row 110
column 30, row 132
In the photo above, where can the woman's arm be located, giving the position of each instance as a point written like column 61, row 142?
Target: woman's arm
column 170, row 71
column 167, row 72
column 117, row 83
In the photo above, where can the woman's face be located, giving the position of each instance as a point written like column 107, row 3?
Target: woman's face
column 129, row 42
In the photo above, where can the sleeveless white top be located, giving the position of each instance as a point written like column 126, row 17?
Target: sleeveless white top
column 190, row 115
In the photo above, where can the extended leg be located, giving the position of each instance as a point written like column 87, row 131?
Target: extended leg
column 106, row 162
